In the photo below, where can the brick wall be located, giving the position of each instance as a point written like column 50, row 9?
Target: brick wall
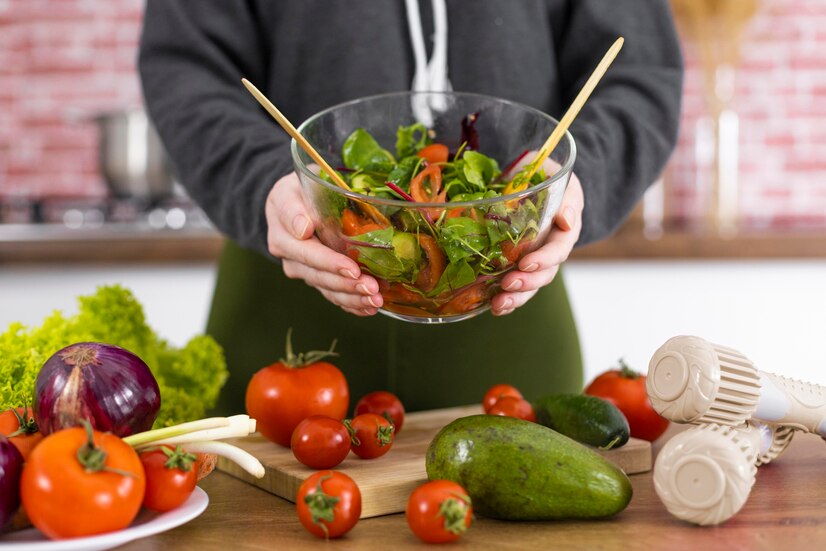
column 59, row 58
column 62, row 55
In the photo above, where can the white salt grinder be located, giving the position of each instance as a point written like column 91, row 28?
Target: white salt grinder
column 691, row 380
column 704, row 475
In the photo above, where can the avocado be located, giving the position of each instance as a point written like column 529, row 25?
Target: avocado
column 518, row 470
column 406, row 246
column 586, row 419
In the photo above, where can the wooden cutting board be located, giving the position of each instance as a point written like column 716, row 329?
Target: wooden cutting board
column 386, row 482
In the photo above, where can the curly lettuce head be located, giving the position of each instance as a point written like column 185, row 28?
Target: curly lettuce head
column 190, row 378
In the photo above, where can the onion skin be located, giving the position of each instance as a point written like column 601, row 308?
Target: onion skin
column 11, row 465
column 109, row 386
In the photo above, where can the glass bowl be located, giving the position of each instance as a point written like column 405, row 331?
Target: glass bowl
column 437, row 261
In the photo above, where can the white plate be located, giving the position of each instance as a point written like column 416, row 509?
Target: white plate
column 146, row 524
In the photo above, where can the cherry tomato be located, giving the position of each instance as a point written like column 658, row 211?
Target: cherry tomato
column 439, row 511
column 385, row 404
column 625, row 388
column 434, row 153
column 320, row 442
column 328, row 504
column 285, row 393
column 66, row 499
column 371, row 435
column 498, row 391
column 19, row 426
column 170, row 477
column 511, row 406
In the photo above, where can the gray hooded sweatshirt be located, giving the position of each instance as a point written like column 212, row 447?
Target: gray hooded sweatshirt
column 307, row 55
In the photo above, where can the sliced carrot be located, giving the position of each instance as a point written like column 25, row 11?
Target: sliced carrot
column 436, row 261
column 434, row 153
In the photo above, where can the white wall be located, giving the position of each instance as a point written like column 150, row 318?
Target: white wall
column 175, row 298
column 773, row 312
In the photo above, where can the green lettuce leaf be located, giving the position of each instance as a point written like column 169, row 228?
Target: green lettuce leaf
column 190, row 378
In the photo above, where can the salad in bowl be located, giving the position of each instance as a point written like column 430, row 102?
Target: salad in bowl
column 438, row 215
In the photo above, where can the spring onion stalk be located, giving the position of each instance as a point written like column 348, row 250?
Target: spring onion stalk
column 214, row 428
column 245, row 460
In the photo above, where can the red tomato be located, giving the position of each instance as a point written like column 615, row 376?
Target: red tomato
column 466, row 299
column 511, row 406
column 515, row 252
column 434, row 153
column 435, row 264
column 320, row 442
column 426, row 187
column 65, row 499
column 285, row 393
column 19, row 426
column 625, row 388
column 498, row 391
column 353, row 224
column 328, row 504
column 170, row 477
column 385, row 404
column 439, row 511
column 371, row 435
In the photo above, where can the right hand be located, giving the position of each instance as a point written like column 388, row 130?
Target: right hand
column 290, row 237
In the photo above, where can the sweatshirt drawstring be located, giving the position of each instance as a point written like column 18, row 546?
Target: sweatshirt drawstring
column 429, row 76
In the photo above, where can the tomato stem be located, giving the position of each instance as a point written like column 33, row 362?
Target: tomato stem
column 626, row 371
column 179, row 458
column 26, row 425
column 454, row 512
column 384, row 434
column 92, row 457
column 321, row 506
column 354, row 440
column 305, row 358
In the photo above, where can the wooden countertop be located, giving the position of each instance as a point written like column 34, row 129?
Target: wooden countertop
column 43, row 245
column 786, row 510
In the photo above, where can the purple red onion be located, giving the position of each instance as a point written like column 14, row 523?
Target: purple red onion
column 11, row 465
column 109, row 386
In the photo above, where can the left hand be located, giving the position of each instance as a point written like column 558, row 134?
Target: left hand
column 538, row 268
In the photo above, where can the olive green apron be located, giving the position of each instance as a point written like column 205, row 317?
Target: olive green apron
column 536, row 348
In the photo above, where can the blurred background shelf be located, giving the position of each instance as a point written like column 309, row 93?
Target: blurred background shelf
column 136, row 244
column 112, row 244
column 699, row 245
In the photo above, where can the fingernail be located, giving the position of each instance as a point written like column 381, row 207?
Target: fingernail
column 506, row 305
column 504, row 312
column 347, row 273
column 300, row 224
column 372, row 303
column 514, row 285
column 362, row 288
column 530, row 268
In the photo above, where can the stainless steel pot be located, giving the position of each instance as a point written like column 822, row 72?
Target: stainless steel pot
column 132, row 159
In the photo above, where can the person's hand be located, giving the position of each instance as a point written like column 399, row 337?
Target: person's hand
column 538, row 268
column 290, row 238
